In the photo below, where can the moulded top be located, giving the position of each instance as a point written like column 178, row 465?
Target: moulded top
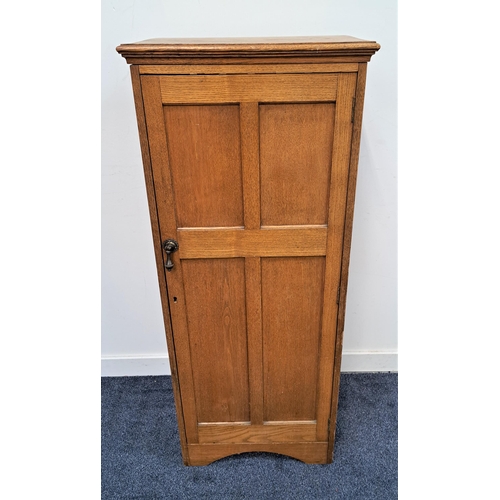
column 161, row 48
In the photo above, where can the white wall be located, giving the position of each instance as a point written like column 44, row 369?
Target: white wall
column 133, row 340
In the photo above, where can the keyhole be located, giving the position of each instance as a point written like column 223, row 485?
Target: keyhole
column 175, row 299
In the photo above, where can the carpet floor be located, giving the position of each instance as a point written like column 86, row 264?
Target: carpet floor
column 141, row 456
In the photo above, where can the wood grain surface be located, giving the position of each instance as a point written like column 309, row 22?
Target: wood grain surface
column 292, row 291
column 205, row 161
column 295, row 161
column 270, row 432
column 169, row 49
column 228, row 69
column 217, row 338
column 230, row 242
column 209, row 89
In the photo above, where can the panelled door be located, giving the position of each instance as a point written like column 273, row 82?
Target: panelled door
column 250, row 175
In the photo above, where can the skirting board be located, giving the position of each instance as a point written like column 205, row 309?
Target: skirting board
column 369, row 361
column 352, row 361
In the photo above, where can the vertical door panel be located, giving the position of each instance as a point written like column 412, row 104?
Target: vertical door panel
column 215, row 302
column 292, row 291
column 295, row 162
column 205, row 161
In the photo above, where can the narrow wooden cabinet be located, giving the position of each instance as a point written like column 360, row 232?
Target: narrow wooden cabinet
column 250, row 151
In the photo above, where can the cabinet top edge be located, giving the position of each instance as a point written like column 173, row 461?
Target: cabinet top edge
column 255, row 47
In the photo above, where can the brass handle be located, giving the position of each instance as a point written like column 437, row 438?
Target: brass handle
column 170, row 246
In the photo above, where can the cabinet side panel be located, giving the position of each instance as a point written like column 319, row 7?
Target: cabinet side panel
column 148, row 175
column 295, row 162
column 215, row 302
column 157, row 139
column 353, row 172
column 205, row 161
column 292, row 290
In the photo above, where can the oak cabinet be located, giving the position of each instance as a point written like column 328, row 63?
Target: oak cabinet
column 250, row 151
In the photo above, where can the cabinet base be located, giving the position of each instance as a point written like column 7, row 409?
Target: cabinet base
column 310, row 453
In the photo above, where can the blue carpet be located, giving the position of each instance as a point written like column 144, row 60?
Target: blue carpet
column 141, row 456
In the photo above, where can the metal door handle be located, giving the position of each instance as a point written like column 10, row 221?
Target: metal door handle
column 170, row 246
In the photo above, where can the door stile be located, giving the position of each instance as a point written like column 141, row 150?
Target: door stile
column 155, row 123
column 337, row 206
column 254, row 339
column 249, row 130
